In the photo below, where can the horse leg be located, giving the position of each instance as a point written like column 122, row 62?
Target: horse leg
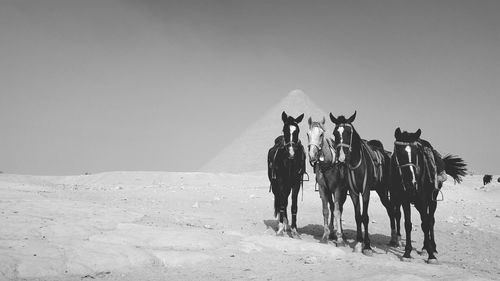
column 432, row 221
column 357, row 215
column 367, row 250
column 396, row 230
column 408, row 246
column 390, row 212
column 432, row 211
column 343, row 198
column 332, row 216
column 424, row 216
column 282, row 203
column 326, row 212
column 338, row 206
column 295, row 195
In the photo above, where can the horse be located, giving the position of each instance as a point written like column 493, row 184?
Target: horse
column 414, row 181
column 487, row 179
column 331, row 189
column 366, row 165
column 286, row 167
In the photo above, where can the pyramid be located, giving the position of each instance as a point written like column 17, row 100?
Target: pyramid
column 248, row 152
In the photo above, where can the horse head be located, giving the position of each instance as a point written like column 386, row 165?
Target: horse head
column 344, row 135
column 291, row 133
column 316, row 139
column 406, row 156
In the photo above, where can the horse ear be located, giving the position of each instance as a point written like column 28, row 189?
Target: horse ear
column 323, row 121
column 284, row 117
column 418, row 133
column 299, row 119
column 351, row 119
column 334, row 120
column 309, row 121
column 397, row 133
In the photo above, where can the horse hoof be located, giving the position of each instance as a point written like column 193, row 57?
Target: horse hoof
column 368, row 252
column 281, row 231
column 295, row 233
column 432, row 261
column 406, row 259
column 340, row 243
column 358, row 248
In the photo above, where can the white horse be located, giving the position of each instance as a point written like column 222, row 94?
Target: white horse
column 332, row 189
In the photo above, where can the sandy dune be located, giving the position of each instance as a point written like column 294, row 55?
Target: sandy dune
column 191, row 226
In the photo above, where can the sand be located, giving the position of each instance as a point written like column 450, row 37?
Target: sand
column 193, row 226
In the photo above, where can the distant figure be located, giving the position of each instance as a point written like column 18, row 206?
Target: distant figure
column 498, row 180
column 487, row 179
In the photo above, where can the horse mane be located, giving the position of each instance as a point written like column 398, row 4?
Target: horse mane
column 356, row 139
column 376, row 143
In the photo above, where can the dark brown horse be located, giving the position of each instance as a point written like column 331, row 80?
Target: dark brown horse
column 366, row 165
column 414, row 181
column 286, row 167
column 331, row 189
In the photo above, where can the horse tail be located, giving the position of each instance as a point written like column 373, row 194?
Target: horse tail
column 455, row 167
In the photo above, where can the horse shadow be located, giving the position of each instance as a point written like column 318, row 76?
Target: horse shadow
column 271, row 224
column 379, row 242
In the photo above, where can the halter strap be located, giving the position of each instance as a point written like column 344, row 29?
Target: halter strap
column 414, row 143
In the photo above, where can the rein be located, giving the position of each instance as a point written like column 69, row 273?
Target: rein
column 352, row 177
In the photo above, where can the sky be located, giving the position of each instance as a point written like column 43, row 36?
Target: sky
column 93, row 86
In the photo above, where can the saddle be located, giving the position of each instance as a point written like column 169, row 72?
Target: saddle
column 376, row 153
column 430, row 163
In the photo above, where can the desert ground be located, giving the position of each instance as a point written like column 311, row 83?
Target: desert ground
column 204, row 226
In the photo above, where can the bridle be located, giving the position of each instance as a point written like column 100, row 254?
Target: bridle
column 349, row 146
column 318, row 146
column 293, row 144
column 410, row 164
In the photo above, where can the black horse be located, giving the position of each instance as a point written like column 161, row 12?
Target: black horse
column 366, row 165
column 414, row 181
column 286, row 167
